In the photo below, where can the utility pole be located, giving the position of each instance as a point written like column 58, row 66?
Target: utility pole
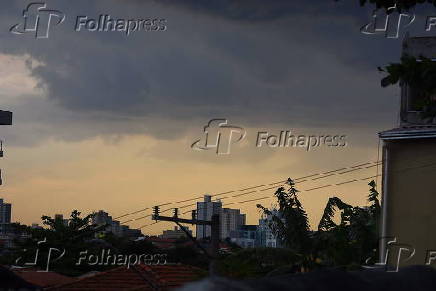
column 214, row 224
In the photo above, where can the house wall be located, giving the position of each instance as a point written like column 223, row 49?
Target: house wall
column 410, row 184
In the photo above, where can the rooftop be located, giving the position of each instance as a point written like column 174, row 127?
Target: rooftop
column 43, row 279
column 139, row 277
column 409, row 132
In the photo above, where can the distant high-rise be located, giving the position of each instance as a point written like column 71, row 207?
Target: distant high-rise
column 205, row 210
column 230, row 219
column 5, row 216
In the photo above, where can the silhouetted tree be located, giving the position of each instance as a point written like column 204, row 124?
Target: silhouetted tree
column 351, row 242
column 401, row 5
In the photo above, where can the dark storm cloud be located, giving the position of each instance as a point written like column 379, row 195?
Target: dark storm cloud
column 246, row 10
column 260, row 62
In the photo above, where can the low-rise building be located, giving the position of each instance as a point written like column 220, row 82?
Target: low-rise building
column 247, row 236
column 267, row 238
column 175, row 233
column 114, row 226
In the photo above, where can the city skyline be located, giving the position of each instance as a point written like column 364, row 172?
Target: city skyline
column 115, row 142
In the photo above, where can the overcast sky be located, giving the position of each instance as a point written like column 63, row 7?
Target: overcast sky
column 105, row 121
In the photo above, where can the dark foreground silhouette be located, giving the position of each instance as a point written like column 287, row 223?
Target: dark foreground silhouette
column 416, row 278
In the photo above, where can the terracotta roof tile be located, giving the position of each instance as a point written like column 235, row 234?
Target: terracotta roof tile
column 140, row 277
column 44, row 279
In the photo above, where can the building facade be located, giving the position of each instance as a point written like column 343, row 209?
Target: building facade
column 267, row 238
column 409, row 169
column 247, row 236
column 5, row 216
column 114, row 226
column 230, row 219
column 205, row 210
column 175, row 233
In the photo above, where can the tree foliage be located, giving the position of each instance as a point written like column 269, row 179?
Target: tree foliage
column 354, row 239
column 350, row 242
column 292, row 226
column 420, row 75
column 257, row 262
column 401, row 5
column 72, row 229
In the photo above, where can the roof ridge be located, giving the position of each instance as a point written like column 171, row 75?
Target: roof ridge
column 86, row 278
column 144, row 270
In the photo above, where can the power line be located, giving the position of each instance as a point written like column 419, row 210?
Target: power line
column 297, row 180
column 262, row 198
column 308, row 190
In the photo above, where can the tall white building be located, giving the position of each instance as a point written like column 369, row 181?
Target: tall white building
column 205, row 210
column 230, row 219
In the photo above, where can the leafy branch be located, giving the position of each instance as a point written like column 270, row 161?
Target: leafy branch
column 401, row 5
column 420, row 75
column 348, row 243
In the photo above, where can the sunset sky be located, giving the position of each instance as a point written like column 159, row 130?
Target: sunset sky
column 106, row 121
